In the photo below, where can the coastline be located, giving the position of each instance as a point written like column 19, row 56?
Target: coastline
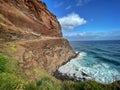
column 72, row 77
column 76, row 55
column 64, row 77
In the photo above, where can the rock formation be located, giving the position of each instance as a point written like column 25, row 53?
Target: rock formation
column 27, row 19
column 36, row 33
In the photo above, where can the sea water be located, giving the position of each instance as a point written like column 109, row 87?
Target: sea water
column 100, row 60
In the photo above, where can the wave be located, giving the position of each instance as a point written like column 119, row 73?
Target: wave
column 72, row 68
column 101, row 50
column 108, row 59
column 100, row 72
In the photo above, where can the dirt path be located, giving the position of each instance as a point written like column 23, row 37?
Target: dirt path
column 40, row 39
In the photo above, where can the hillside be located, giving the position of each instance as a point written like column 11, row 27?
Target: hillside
column 26, row 19
column 31, row 34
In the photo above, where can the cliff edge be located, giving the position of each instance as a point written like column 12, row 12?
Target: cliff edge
column 27, row 19
column 35, row 36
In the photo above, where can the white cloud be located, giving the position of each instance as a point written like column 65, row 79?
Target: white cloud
column 84, row 35
column 110, row 35
column 82, row 2
column 71, row 21
column 68, row 7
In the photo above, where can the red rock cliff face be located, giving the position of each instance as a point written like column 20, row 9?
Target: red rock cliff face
column 41, row 12
column 27, row 16
column 37, row 35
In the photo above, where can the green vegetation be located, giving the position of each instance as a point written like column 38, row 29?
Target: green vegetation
column 3, row 62
column 48, row 84
column 8, row 79
column 11, row 82
column 89, row 85
column 44, row 84
column 12, row 47
column 12, row 79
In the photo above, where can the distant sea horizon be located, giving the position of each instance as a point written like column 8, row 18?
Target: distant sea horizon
column 99, row 59
column 91, row 40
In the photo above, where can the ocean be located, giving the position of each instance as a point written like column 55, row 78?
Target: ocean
column 100, row 60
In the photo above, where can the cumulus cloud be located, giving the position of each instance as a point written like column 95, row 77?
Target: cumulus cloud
column 83, row 36
column 82, row 2
column 71, row 21
column 68, row 7
column 113, row 35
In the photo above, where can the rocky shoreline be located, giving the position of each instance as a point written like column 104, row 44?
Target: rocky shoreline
column 64, row 77
column 67, row 77
column 76, row 55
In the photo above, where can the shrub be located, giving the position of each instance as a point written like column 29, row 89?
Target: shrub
column 92, row 85
column 31, row 86
column 8, row 65
column 47, row 84
column 69, row 85
column 3, row 62
column 88, row 85
column 11, row 82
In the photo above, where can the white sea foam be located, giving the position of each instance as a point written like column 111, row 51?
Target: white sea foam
column 100, row 72
column 72, row 68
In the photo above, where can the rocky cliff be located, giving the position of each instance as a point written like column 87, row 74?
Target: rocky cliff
column 27, row 19
column 48, row 54
column 36, row 34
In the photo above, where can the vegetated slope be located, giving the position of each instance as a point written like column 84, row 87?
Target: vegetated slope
column 33, row 34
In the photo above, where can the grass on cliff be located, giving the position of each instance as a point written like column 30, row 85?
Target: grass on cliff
column 10, row 78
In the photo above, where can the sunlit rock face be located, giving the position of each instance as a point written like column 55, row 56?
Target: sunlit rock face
column 25, row 18
column 37, row 35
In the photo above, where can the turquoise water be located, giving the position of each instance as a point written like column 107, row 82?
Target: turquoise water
column 100, row 60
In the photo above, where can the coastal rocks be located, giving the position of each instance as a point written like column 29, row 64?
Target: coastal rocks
column 47, row 53
column 64, row 77
column 71, row 71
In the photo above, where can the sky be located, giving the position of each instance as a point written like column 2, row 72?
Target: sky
column 87, row 19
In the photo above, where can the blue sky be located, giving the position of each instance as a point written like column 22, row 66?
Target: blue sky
column 87, row 19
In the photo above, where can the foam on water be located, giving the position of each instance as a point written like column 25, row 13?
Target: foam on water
column 100, row 72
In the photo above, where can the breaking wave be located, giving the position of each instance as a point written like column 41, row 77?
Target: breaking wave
column 99, row 71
